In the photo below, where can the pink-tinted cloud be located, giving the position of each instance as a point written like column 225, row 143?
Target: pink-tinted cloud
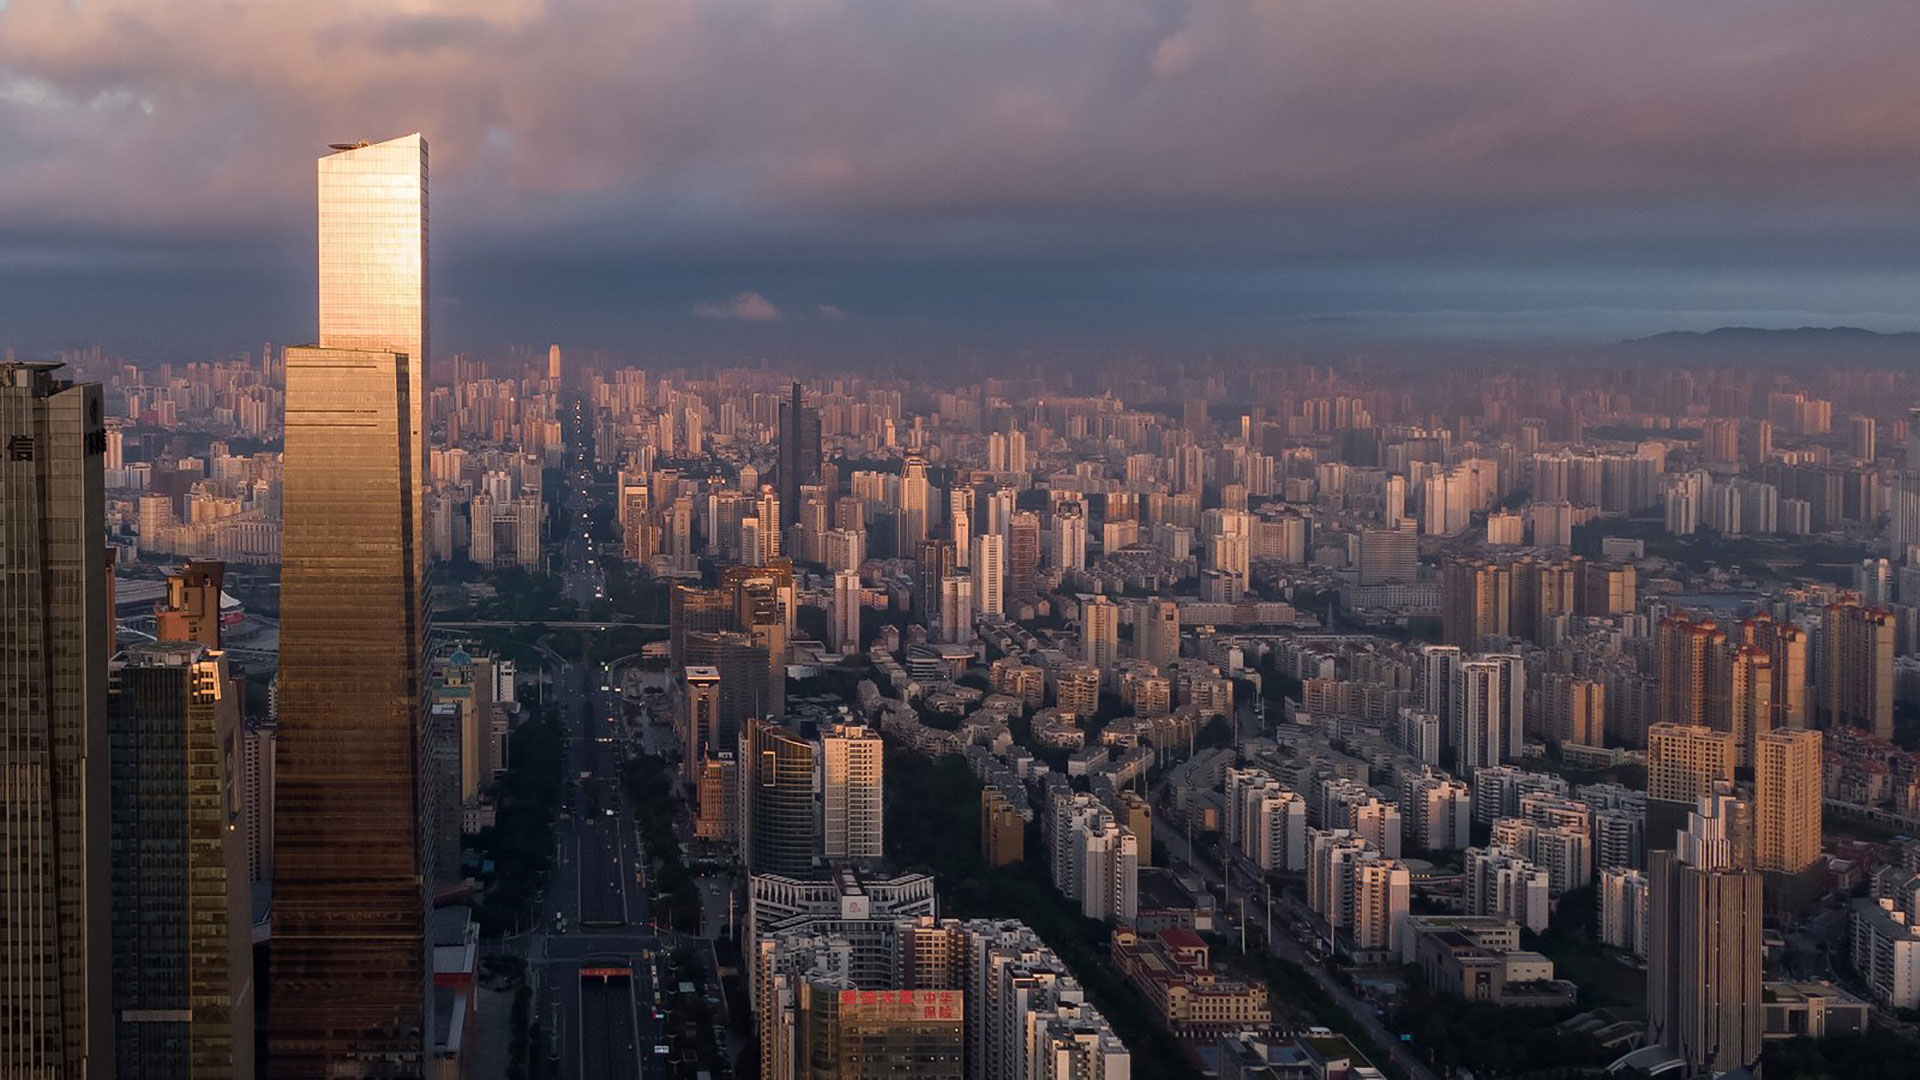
column 1051, row 120
column 743, row 307
column 830, row 312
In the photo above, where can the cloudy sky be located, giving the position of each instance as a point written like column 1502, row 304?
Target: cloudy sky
column 821, row 176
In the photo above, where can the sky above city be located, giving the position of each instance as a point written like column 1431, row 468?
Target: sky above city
column 843, row 177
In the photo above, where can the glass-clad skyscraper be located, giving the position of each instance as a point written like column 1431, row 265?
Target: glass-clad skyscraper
column 349, row 969
column 54, row 641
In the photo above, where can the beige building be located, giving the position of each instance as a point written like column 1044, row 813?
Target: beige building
column 851, row 775
column 1857, row 688
column 1787, row 800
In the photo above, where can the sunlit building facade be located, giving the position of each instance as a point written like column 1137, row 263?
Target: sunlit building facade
column 349, row 965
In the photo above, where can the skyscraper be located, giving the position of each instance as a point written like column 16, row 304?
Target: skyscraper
column 55, row 637
column 1704, row 960
column 779, row 829
column 349, row 971
column 799, row 452
column 182, row 919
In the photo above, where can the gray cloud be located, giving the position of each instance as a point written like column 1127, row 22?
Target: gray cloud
column 1220, row 133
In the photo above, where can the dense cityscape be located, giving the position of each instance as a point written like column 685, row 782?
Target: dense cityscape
column 1424, row 709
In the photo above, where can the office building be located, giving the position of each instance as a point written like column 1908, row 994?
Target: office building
column 182, row 986
column 1023, row 554
column 1704, row 958
column 779, row 828
column 349, row 965
column 55, row 638
column 851, row 783
column 1787, row 800
column 799, row 452
column 700, row 723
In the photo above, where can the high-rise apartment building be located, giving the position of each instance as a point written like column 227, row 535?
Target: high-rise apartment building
column 851, row 784
column 1100, row 633
column 349, row 962
column 1478, row 714
column 1787, row 800
column 1685, row 763
column 1787, row 654
column 989, row 564
column 55, row 637
column 847, row 602
column 1689, row 655
column 1704, row 958
column 1857, row 676
column 1159, row 632
column 182, row 985
column 1003, row 833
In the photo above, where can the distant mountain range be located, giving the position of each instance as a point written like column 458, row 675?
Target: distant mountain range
column 1733, row 343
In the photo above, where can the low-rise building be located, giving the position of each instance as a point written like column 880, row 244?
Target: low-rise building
column 1172, row 970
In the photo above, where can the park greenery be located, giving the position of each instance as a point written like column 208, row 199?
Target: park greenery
column 520, row 841
column 649, row 788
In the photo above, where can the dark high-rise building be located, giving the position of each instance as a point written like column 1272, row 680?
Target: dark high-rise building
column 182, row 928
column 743, row 668
column 349, row 960
column 1023, row 554
column 799, row 452
column 55, row 635
column 780, row 824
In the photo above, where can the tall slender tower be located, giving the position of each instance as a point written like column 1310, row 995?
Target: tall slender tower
column 799, row 452
column 349, row 970
column 55, row 1015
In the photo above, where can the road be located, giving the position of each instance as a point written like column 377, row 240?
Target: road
column 595, row 915
column 1249, row 886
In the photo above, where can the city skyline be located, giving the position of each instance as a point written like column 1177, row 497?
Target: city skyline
column 694, row 181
